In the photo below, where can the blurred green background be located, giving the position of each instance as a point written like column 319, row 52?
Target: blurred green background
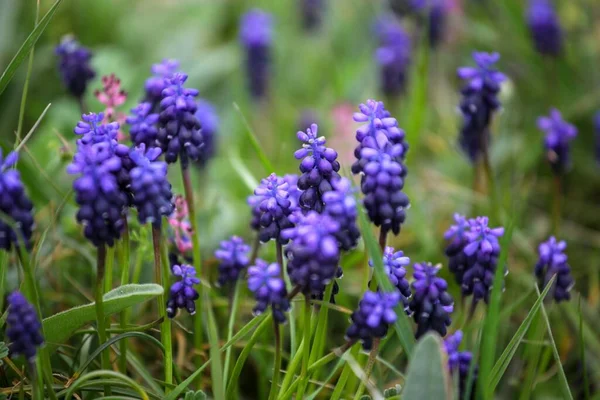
column 329, row 72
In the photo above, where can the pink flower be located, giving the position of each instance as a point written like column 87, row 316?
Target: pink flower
column 112, row 96
column 181, row 228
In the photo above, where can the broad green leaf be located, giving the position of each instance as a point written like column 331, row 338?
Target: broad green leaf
column 427, row 376
column 33, row 37
column 59, row 327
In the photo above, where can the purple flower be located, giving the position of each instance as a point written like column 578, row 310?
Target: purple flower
column 553, row 261
column 74, row 65
column 209, row 121
column 15, row 204
column 179, row 133
column 143, row 123
column 271, row 208
column 459, row 362
column 159, row 81
column 479, row 102
column 374, row 315
column 458, row 261
column 182, row 293
column 544, row 27
column 340, row 205
column 394, row 263
column 150, row 187
column 256, row 35
column 319, row 167
column 559, row 134
column 264, row 280
column 233, row 256
column 312, row 13
column 392, row 55
column 294, row 192
column 435, row 11
column 313, row 255
column 23, row 327
column 431, row 304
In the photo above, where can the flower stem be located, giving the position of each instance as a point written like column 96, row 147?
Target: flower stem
column 165, row 329
column 108, row 270
column 277, row 363
column 306, row 350
column 124, row 318
column 556, row 204
column 335, row 353
column 382, row 243
column 197, row 257
column 369, row 367
column 99, row 293
column 341, row 383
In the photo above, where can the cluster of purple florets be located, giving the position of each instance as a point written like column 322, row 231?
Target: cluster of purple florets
column 143, row 125
column 392, row 55
column 234, row 257
column 374, row 315
column 459, row 363
column 24, row 330
column 256, row 35
column 394, row 264
column 266, row 282
column 15, row 204
column 473, row 252
column 183, row 294
column 74, row 66
column 544, row 27
column 340, row 205
column 553, row 261
column 159, row 81
column 558, row 135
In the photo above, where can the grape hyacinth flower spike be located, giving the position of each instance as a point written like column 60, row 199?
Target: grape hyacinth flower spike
column 264, row 280
column 458, row 261
column 312, row 13
column 234, row 257
column 158, row 82
column 143, row 125
column 479, row 102
column 209, row 120
column 394, row 263
column 182, row 293
column 319, row 168
column 374, row 315
column 179, row 135
column 435, row 18
column 24, row 330
column 393, row 55
column 459, row 363
column 553, row 261
column 544, row 27
column 256, row 36
column 271, row 209
column 15, row 204
column 558, row 135
column 74, row 66
column 340, row 205
column 431, row 303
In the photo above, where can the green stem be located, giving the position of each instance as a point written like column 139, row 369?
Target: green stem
column 99, row 293
column 165, row 329
column 556, row 205
column 331, row 356
column 36, row 388
column 382, row 243
column 341, row 383
column 3, row 268
column 533, row 354
column 139, row 258
column 108, row 272
column 291, row 369
column 369, row 367
column 197, row 256
column 306, row 351
column 231, row 325
column 124, row 318
column 277, row 363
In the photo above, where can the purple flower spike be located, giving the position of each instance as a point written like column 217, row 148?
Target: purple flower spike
column 234, row 256
column 479, row 102
column 23, row 327
column 340, row 204
column 459, row 362
column 74, row 66
column 431, row 304
column 553, row 261
column 151, row 190
column 394, row 263
column 256, row 35
column 374, row 315
column 265, row 281
column 559, row 134
column 271, row 209
column 143, row 124
column 294, row 192
column 544, row 26
column 182, row 293
column 392, row 55
column 15, row 204
column 313, row 255
column 312, row 13
column 159, row 81
column 458, row 261
column 319, row 168
column 179, row 134
column 209, row 120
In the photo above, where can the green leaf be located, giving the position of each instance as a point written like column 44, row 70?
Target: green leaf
column 510, row 350
column 3, row 352
column 33, row 37
column 402, row 324
column 428, row 376
column 216, row 367
column 199, row 395
column 59, row 327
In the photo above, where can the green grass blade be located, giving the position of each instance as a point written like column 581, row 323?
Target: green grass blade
column 586, row 385
column 33, row 37
column 264, row 160
column 216, row 366
column 402, row 325
column 492, row 318
column 502, row 364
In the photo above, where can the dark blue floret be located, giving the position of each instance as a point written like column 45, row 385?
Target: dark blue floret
column 183, row 294
column 319, row 168
column 271, row 209
column 431, row 304
column 374, row 315
column 15, row 204
column 265, row 281
column 544, row 27
column 209, row 120
column 143, row 125
column 233, row 256
column 74, row 65
column 23, row 327
column 340, row 205
column 179, row 134
column 152, row 196
column 553, row 261
column 313, row 255
column 392, row 55
column 256, row 35
column 558, row 135
column 459, row 363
